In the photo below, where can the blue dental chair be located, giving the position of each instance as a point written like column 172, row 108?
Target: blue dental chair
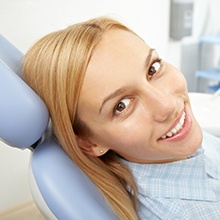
column 60, row 189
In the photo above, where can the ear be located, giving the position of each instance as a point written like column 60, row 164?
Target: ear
column 90, row 148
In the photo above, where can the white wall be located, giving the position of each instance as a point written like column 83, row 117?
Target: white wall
column 14, row 188
column 204, row 9
column 24, row 21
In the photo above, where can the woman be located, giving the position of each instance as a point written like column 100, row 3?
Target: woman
column 116, row 109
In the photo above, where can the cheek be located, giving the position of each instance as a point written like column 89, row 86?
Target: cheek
column 178, row 80
column 175, row 83
column 182, row 81
column 126, row 135
column 127, row 141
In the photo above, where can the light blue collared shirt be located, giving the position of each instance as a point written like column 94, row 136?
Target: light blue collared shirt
column 187, row 189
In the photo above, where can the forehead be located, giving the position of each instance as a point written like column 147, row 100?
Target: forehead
column 116, row 47
column 113, row 65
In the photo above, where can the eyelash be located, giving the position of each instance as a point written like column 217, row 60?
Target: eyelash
column 150, row 75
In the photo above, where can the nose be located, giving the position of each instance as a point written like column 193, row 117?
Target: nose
column 164, row 105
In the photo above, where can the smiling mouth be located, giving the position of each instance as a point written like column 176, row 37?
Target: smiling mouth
column 174, row 131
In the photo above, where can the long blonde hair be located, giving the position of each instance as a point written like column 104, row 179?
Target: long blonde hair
column 55, row 67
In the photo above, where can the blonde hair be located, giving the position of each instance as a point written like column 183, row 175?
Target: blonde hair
column 55, row 67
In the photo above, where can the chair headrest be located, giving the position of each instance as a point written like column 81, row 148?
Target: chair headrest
column 10, row 55
column 23, row 115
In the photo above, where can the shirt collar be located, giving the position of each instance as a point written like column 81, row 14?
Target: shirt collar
column 185, row 179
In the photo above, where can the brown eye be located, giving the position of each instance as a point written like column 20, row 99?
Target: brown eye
column 121, row 106
column 154, row 68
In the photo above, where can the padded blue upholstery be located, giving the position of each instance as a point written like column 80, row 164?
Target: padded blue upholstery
column 69, row 193
column 10, row 55
column 64, row 188
column 23, row 116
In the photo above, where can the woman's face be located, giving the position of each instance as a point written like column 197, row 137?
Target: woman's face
column 137, row 104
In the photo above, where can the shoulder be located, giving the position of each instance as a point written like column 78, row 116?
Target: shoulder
column 160, row 208
column 211, row 146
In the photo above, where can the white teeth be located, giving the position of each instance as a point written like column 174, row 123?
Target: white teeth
column 177, row 128
column 174, row 130
column 169, row 134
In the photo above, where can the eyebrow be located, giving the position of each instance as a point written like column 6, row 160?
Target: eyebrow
column 120, row 91
column 149, row 56
column 113, row 95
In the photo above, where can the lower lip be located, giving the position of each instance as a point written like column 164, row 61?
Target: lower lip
column 183, row 132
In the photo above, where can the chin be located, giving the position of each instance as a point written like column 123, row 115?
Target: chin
column 196, row 135
column 196, row 139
